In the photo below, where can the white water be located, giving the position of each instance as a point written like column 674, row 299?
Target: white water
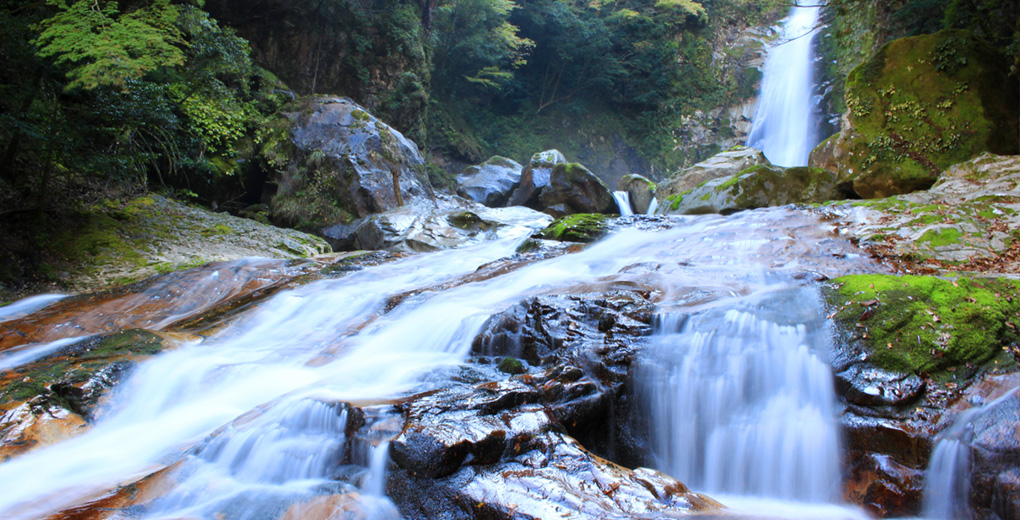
column 269, row 384
column 740, row 397
column 623, row 203
column 28, row 305
column 947, row 478
column 785, row 123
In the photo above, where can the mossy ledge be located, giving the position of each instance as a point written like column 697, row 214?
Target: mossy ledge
column 580, row 227
column 928, row 325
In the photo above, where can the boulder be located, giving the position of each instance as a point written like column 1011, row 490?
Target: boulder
column 345, row 163
column 535, row 177
column 963, row 222
column 580, row 227
column 573, row 189
column 454, row 224
column 756, row 187
column 639, row 189
column 490, row 183
column 722, row 165
column 919, row 105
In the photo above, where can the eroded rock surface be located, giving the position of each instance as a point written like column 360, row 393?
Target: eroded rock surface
column 490, row 183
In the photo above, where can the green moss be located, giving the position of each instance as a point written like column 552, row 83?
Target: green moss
column 511, row 365
column 922, row 104
column 927, row 324
column 78, row 363
column 580, row 227
column 673, row 201
column 941, row 237
column 732, row 181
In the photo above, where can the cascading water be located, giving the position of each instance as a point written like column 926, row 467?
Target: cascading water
column 947, row 478
column 740, row 398
column 785, row 123
column 250, row 422
column 623, row 202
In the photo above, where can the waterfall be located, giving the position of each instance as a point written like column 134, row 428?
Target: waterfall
column 250, row 421
column 740, row 397
column 623, row 202
column 785, row 123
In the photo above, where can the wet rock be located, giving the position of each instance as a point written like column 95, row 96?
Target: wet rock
column 345, row 162
column 454, row 224
column 156, row 303
column 490, row 183
column 919, row 105
column 535, row 177
column 573, row 189
column 995, row 454
column 756, row 187
column 580, row 227
column 639, row 189
column 869, row 386
column 550, row 475
column 884, row 487
column 56, row 397
column 722, row 165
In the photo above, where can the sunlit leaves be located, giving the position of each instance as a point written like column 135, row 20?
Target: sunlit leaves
column 105, row 47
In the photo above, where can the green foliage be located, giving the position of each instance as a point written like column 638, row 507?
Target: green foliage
column 118, row 93
column 105, row 47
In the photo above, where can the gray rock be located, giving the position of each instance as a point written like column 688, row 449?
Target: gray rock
column 346, row 158
column 723, row 165
column 490, row 183
column 455, row 224
column 757, row 187
column 573, row 189
column 535, row 177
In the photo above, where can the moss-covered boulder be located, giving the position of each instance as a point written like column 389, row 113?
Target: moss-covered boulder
column 640, row 190
column 919, row 105
column 574, row 189
column 340, row 162
column 722, row 165
column 928, row 325
column 581, row 227
column 756, row 187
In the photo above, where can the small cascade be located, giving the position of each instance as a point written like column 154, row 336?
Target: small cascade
column 785, row 123
column 741, row 400
column 653, row 206
column 623, row 203
column 947, row 479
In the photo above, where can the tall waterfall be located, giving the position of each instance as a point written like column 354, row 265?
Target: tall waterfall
column 785, row 123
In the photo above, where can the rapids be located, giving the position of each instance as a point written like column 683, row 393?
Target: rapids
column 249, row 418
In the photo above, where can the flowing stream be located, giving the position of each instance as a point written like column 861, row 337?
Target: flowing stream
column 251, row 419
column 785, row 124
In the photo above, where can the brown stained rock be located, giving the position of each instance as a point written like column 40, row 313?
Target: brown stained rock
column 883, row 486
column 153, row 304
column 24, row 427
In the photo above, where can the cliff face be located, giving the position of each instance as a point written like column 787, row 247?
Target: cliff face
column 374, row 55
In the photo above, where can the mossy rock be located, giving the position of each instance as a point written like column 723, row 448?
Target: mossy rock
column 925, row 324
column 759, row 186
column 922, row 104
column 76, row 376
column 580, row 227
